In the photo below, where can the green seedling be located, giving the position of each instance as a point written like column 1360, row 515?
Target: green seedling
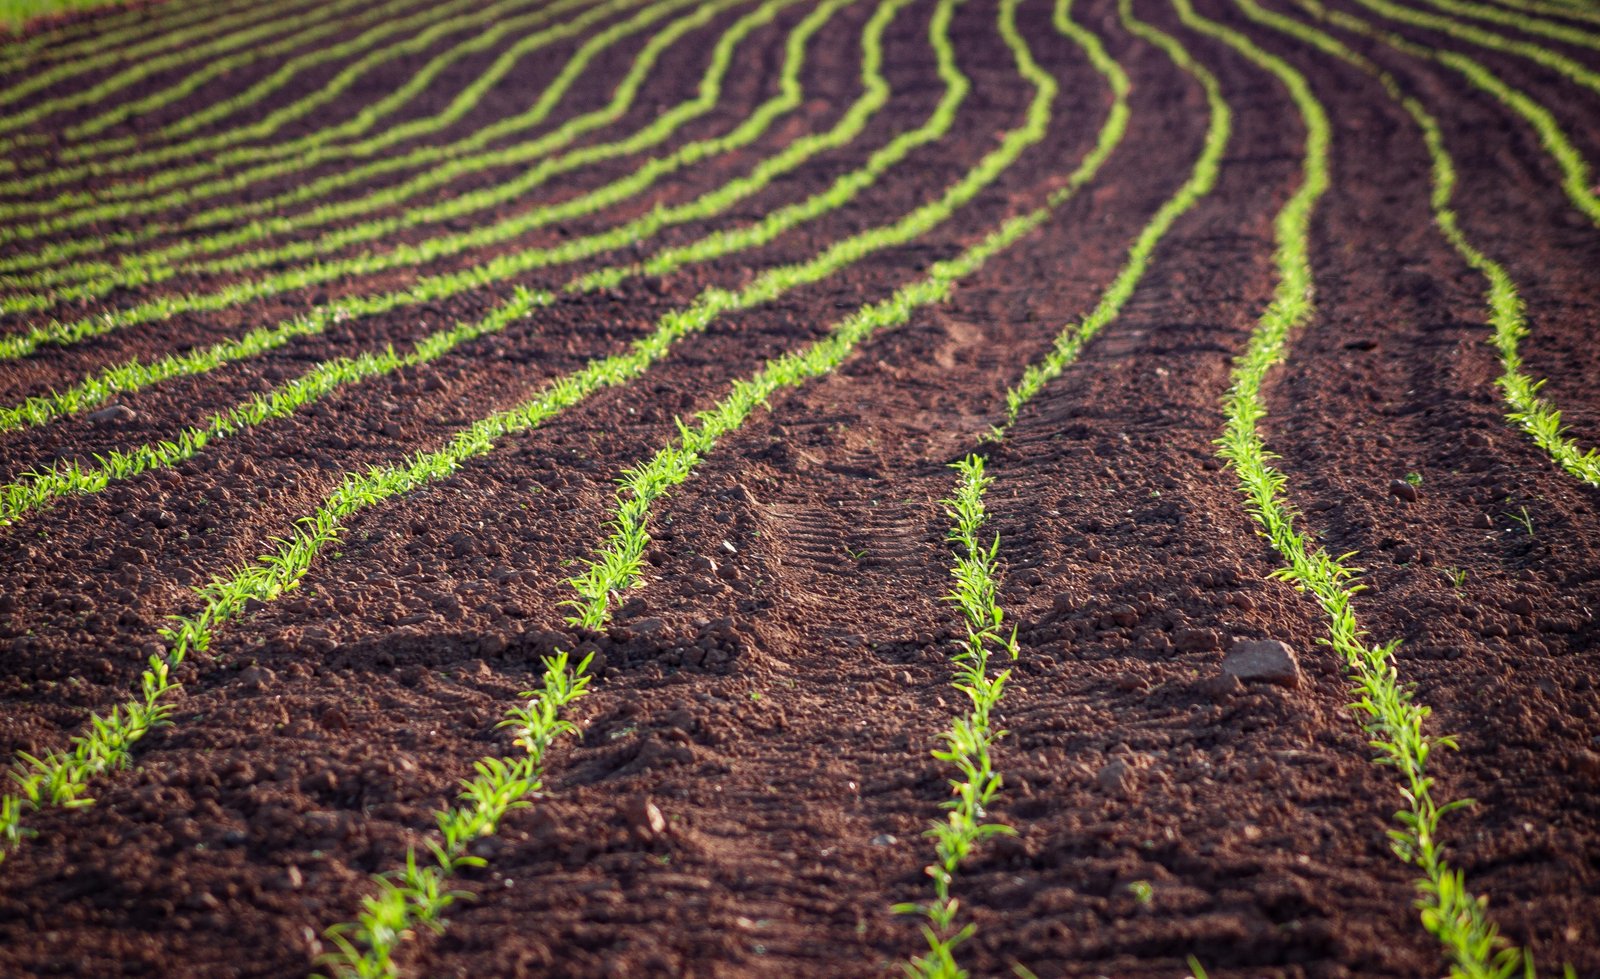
column 1528, row 410
column 157, row 266
column 1394, row 721
column 615, row 566
column 136, row 375
column 968, row 744
column 416, row 896
column 78, row 43
column 196, row 45
column 281, row 570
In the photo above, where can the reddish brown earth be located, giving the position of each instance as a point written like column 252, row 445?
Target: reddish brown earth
column 775, row 686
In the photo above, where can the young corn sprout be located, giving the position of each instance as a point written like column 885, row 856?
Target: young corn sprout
column 1392, row 717
column 968, row 742
column 416, row 895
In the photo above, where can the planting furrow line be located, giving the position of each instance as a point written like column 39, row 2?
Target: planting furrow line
column 296, row 154
column 136, row 375
column 17, row 15
column 61, row 778
column 77, row 42
column 668, row 122
column 1522, row 22
column 615, row 565
column 408, row 254
column 38, row 489
column 967, row 742
column 87, row 61
column 1559, row 63
column 430, row 22
column 499, row 26
column 1390, row 713
column 455, row 154
column 413, row 900
column 416, row 896
column 1575, row 11
column 1528, row 410
column 222, row 157
column 1577, row 174
column 141, row 70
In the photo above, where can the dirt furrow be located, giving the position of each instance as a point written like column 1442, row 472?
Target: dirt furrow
column 287, row 628
column 751, row 777
column 1395, row 382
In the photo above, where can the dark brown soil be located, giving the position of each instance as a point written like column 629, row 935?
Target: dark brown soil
column 775, row 686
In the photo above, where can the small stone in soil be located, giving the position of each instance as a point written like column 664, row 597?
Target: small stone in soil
column 1263, row 661
column 1197, row 640
column 115, row 413
column 1117, row 778
column 644, row 819
column 1129, row 682
column 256, row 679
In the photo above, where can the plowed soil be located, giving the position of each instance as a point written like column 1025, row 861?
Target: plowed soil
column 775, row 686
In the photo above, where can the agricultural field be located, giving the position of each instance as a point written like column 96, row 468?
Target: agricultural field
column 611, row 488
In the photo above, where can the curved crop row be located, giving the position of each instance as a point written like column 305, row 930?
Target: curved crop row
column 107, row 205
column 1530, row 412
column 1536, row 53
column 1390, row 713
column 499, row 26
column 403, row 255
column 222, row 158
column 1577, row 174
column 155, row 267
column 81, row 40
column 1071, row 340
column 1522, row 22
column 245, row 230
column 382, row 23
column 139, row 70
column 975, row 567
column 615, row 565
column 83, row 60
column 61, row 778
column 398, row 905
column 136, row 374
column 37, row 489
